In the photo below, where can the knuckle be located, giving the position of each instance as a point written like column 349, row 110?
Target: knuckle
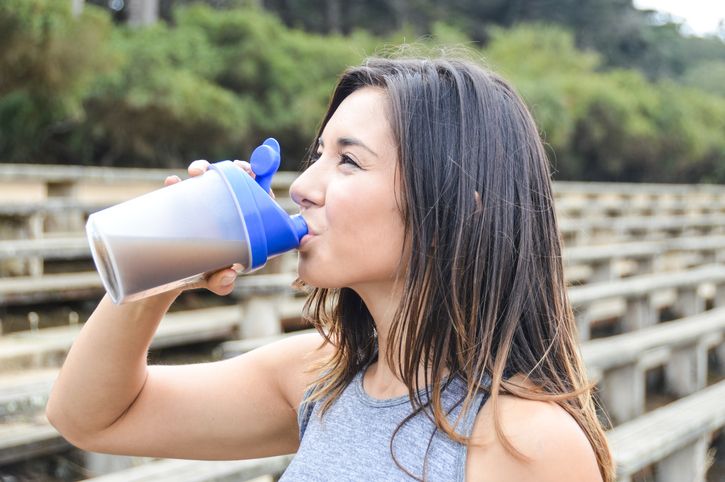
column 199, row 165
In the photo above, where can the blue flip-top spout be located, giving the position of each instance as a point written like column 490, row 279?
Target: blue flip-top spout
column 270, row 229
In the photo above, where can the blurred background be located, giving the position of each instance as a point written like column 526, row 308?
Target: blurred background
column 620, row 93
column 100, row 100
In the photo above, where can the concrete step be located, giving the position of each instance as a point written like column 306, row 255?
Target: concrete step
column 26, row 440
column 48, row 347
column 25, row 393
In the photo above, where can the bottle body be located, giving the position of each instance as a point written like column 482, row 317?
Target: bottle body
column 169, row 237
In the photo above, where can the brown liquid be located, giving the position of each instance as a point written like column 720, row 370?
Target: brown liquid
column 145, row 263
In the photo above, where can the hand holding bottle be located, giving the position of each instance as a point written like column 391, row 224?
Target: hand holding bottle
column 220, row 282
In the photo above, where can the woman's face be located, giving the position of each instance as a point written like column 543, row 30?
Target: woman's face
column 348, row 198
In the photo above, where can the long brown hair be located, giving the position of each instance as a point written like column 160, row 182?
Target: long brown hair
column 484, row 288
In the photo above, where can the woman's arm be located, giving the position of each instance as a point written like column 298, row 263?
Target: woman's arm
column 106, row 398
column 105, row 369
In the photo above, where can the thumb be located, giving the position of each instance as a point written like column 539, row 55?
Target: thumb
column 222, row 281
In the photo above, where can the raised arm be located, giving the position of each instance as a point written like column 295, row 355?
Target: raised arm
column 106, row 398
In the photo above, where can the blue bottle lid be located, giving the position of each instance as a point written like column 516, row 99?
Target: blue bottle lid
column 271, row 231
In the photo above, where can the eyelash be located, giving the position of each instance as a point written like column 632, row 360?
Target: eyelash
column 344, row 159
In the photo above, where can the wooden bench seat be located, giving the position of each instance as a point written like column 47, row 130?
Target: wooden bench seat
column 599, row 258
column 638, row 293
column 28, row 256
column 25, row 392
column 608, row 206
column 23, row 290
column 87, row 285
column 632, row 191
column 25, row 440
column 620, row 362
column 648, row 255
column 675, row 437
column 586, row 231
column 174, row 470
column 599, row 354
column 48, row 347
column 229, row 349
column 67, row 174
column 46, row 248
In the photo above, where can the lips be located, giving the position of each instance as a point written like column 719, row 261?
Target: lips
column 310, row 227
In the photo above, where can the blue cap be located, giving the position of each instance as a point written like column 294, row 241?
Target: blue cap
column 270, row 229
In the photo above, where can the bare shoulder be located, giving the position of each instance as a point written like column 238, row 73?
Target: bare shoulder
column 556, row 447
column 292, row 360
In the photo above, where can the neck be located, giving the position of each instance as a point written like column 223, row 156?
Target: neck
column 381, row 379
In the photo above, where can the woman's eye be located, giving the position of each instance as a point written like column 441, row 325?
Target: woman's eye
column 344, row 159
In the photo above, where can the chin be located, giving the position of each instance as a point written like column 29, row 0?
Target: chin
column 314, row 279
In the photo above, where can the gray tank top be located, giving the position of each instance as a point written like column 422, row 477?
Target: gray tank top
column 352, row 441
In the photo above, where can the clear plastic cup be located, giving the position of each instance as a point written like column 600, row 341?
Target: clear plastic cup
column 169, row 237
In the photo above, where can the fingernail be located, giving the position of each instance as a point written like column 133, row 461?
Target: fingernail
column 198, row 164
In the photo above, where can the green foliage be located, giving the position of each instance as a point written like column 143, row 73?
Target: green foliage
column 213, row 83
column 212, row 86
column 161, row 102
column 707, row 76
column 612, row 125
column 284, row 76
column 45, row 67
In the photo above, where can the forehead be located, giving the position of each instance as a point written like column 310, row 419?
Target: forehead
column 362, row 114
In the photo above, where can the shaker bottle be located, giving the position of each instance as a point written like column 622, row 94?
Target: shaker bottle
column 172, row 236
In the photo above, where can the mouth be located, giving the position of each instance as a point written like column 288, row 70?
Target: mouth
column 306, row 240
column 311, row 231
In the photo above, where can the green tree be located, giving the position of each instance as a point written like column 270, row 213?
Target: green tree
column 45, row 67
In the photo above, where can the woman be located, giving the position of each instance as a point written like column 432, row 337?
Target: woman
column 446, row 346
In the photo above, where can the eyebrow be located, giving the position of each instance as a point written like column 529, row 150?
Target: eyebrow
column 349, row 141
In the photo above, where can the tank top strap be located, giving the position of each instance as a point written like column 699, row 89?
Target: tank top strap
column 304, row 411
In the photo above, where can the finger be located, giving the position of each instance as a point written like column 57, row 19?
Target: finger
column 198, row 167
column 248, row 169
column 171, row 180
column 222, row 282
column 246, row 166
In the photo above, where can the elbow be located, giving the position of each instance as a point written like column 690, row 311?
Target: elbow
column 65, row 427
column 53, row 415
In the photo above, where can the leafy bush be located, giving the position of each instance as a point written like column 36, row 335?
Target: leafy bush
column 214, row 83
column 610, row 125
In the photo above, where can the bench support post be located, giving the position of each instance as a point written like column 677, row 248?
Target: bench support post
column 719, row 296
column 687, row 463
column 689, row 302
column 583, row 323
column 261, row 317
column 640, row 313
column 601, row 271
column 36, row 228
column 648, row 264
column 627, row 380
column 103, row 464
column 720, row 356
column 686, row 372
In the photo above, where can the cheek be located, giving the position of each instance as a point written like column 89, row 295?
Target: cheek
column 362, row 242
column 367, row 231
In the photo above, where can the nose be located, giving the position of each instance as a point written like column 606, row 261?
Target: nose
column 308, row 189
